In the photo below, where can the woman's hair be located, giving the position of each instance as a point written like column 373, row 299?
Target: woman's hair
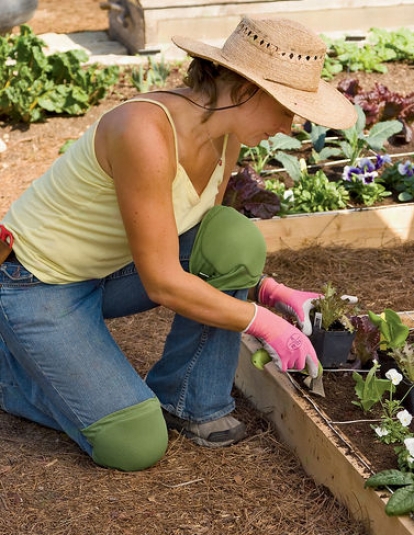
column 203, row 77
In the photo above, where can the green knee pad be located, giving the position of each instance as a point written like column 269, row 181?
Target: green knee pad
column 229, row 251
column 131, row 439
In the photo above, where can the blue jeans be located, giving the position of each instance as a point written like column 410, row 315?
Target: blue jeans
column 60, row 366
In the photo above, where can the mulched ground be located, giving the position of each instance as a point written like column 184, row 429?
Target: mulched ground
column 257, row 487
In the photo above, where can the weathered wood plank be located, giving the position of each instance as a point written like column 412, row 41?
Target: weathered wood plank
column 370, row 227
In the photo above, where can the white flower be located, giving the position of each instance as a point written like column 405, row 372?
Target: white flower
column 409, row 444
column 381, row 432
column 394, row 376
column 405, row 418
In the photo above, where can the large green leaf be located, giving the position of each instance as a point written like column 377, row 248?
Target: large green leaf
column 390, row 478
column 393, row 331
column 318, row 136
column 382, row 131
column 290, row 163
column 283, row 142
column 370, row 390
column 401, row 501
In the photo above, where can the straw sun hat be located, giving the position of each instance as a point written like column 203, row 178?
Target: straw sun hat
column 285, row 59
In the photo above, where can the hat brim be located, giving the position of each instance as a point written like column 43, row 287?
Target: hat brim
column 326, row 106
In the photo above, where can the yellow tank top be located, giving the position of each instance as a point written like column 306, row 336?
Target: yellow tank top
column 67, row 225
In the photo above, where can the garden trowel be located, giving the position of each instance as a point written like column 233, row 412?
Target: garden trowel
column 315, row 384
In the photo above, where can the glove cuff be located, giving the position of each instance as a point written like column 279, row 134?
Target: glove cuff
column 252, row 320
column 257, row 288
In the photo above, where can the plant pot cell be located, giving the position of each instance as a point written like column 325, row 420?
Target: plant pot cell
column 332, row 347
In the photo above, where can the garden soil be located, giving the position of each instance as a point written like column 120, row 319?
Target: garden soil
column 48, row 486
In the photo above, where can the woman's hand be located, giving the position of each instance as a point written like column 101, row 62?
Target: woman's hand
column 286, row 344
column 293, row 303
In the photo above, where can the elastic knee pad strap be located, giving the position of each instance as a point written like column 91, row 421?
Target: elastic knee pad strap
column 229, row 251
column 131, row 439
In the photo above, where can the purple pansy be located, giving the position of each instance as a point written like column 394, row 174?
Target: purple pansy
column 349, row 172
column 406, row 168
column 366, row 170
column 382, row 159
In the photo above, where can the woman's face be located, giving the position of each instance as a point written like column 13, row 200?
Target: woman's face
column 262, row 117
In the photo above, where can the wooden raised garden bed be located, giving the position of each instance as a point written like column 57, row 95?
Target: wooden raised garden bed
column 148, row 24
column 383, row 226
column 324, row 452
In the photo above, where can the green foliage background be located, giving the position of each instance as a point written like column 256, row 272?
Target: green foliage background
column 33, row 84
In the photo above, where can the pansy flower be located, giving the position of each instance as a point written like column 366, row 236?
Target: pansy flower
column 394, row 376
column 406, row 168
column 382, row 432
column 409, row 444
column 405, row 418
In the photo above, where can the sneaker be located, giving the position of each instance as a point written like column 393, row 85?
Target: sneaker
column 215, row 434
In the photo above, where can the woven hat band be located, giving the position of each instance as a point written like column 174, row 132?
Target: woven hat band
column 298, row 66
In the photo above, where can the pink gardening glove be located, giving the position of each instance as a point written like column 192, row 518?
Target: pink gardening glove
column 288, row 301
column 290, row 348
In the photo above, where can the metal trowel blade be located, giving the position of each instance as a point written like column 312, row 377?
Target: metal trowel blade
column 315, row 385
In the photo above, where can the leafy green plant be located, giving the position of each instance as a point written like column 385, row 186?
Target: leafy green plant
column 353, row 57
column 334, row 308
column 380, row 46
column 291, row 164
column 396, row 45
column 354, row 140
column 268, row 150
column 394, row 340
column 394, row 428
column 400, row 177
column 320, row 151
column 332, row 66
column 370, row 390
column 401, row 501
column 284, row 194
column 33, row 84
column 316, row 193
column 393, row 332
column 361, row 180
column 258, row 156
column 395, row 420
column 154, row 74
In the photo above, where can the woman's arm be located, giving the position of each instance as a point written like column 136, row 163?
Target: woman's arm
column 143, row 165
column 140, row 151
